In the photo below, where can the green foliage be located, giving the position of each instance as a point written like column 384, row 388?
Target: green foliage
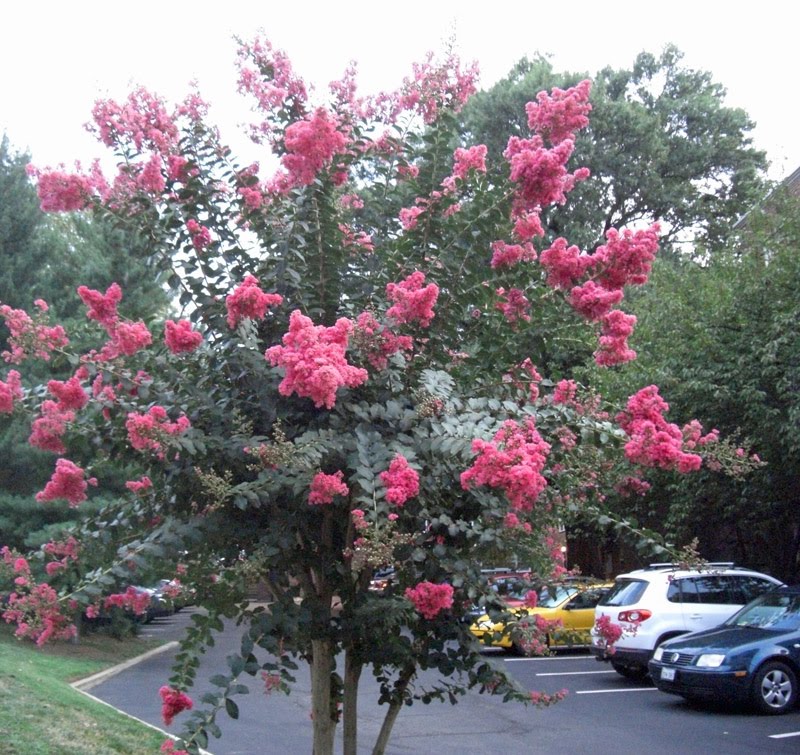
column 661, row 145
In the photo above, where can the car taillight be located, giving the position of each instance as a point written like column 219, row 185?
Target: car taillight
column 635, row 616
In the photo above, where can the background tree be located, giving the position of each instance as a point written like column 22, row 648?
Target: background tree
column 661, row 146
column 723, row 340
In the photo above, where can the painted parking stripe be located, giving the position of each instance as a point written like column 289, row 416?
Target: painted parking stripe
column 785, row 736
column 549, row 658
column 573, row 673
column 603, row 691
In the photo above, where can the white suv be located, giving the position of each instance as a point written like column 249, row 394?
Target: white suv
column 662, row 601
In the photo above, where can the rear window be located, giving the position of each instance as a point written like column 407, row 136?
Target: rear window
column 625, row 592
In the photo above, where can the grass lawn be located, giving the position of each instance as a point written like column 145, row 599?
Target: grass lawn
column 40, row 714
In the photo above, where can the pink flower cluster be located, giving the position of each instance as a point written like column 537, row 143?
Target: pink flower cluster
column 148, row 432
column 173, row 702
column 615, row 329
column 126, row 338
column 31, row 336
column 377, row 341
column 512, row 461
column 34, row 608
column 400, row 480
column 10, row 390
column 508, row 255
column 353, row 239
column 654, row 442
column 412, row 302
column 557, row 116
column 63, row 552
column 48, row 429
column 139, row 486
column 608, row 630
column 68, row 482
column 565, row 265
column 248, row 300
column 267, row 75
column 472, row 158
column 70, row 394
column 311, row 145
column 179, row 336
column 313, row 358
column 514, row 305
column 64, row 192
column 324, row 487
column 201, row 236
column 565, row 392
column 136, row 601
column 409, row 217
column 430, row 599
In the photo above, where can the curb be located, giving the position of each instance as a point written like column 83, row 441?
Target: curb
column 85, row 684
column 92, row 681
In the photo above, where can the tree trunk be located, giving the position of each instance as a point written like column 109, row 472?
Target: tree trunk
column 352, row 674
column 324, row 724
column 395, row 705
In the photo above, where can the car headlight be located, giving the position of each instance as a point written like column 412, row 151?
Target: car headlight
column 659, row 652
column 710, row 660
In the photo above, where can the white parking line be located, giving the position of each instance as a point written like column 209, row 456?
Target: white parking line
column 574, row 673
column 603, row 691
column 784, row 736
column 550, row 658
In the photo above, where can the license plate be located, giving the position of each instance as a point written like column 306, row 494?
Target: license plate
column 668, row 674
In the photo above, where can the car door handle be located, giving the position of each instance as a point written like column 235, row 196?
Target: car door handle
column 695, row 615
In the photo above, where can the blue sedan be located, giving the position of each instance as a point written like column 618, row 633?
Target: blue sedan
column 754, row 657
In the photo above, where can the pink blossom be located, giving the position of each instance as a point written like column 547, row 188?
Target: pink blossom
column 70, row 394
column 616, row 328
column 180, row 338
column 311, row 145
column 68, row 482
column 173, row 702
column 465, row 160
column 313, row 358
column 400, row 480
column 508, row 255
column 377, row 341
column 565, row 392
column 137, row 601
column 201, row 236
column 151, row 179
column 513, row 304
column 409, row 217
column 564, row 265
column 430, row 599
column 351, row 201
column 142, row 121
column 412, row 301
column 653, row 441
column 527, row 224
column 325, row 486
column 10, row 390
column 248, row 300
column 129, row 337
column 48, row 429
column 356, row 239
column 592, row 300
column 626, row 257
column 31, row 336
column 102, row 307
column 359, row 520
column 36, row 610
column 539, row 172
column 512, row 461
column 63, row 192
column 558, row 115
column 139, row 486
column 147, row 432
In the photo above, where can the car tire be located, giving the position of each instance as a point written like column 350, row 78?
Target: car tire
column 774, row 688
column 635, row 673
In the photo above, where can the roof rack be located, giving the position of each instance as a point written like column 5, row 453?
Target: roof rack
column 714, row 564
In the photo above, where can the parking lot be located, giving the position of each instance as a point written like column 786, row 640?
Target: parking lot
column 603, row 713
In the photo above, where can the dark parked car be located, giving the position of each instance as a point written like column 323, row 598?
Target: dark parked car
column 753, row 657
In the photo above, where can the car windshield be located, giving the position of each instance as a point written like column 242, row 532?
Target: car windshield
column 770, row 611
column 548, row 600
column 625, row 592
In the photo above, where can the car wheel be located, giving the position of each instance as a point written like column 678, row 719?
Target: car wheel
column 635, row 673
column 774, row 688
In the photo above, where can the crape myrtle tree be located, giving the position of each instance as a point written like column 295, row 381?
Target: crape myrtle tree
column 349, row 382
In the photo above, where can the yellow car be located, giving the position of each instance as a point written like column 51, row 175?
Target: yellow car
column 561, row 619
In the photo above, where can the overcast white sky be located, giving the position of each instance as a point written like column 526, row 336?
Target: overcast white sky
column 56, row 58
